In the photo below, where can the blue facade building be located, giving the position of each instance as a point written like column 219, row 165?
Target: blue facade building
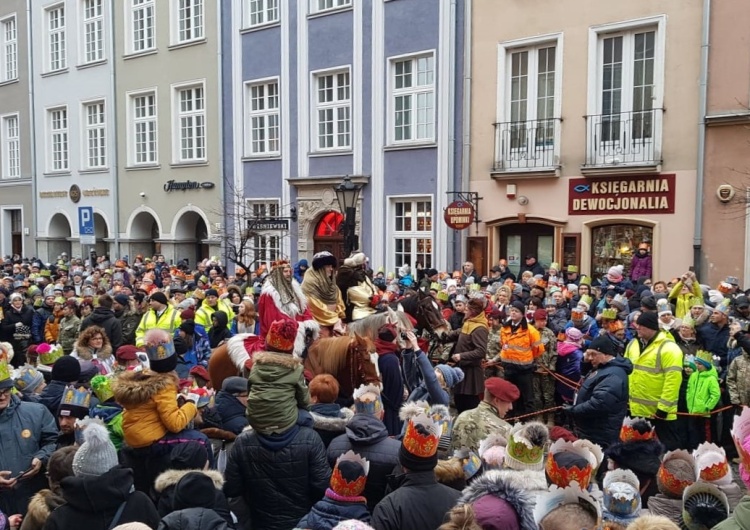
column 316, row 90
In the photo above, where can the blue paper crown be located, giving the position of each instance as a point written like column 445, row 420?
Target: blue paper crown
column 159, row 352
column 77, row 397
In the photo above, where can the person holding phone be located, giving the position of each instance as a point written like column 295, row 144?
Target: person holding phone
column 27, row 439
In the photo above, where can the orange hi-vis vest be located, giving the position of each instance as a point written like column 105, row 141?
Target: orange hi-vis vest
column 520, row 347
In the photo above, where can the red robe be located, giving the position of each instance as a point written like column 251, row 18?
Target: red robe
column 271, row 309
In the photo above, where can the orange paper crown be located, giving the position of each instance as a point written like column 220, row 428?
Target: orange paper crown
column 565, row 476
column 629, row 434
column 422, row 436
column 667, row 481
column 712, row 463
column 616, row 325
column 347, row 488
column 280, row 263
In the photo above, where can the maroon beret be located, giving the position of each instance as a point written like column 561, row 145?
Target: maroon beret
column 502, row 389
column 127, row 352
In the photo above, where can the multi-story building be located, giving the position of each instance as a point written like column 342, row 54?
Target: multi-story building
column 16, row 132
column 583, row 130
column 323, row 89
column 722, row 237
column 169, row 117
column 73, row 108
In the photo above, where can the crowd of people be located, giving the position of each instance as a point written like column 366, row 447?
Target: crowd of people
column 533, row 399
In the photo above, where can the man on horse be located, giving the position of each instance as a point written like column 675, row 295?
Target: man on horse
column 323, row 295
column 281, row 298
column 360, row 295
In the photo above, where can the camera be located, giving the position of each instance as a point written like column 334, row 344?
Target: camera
column 404, row 336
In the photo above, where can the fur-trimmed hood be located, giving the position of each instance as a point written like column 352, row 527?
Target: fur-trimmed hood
column 503, row 486
column 84, row 352
column 285, row 360
column 329, row 423
column 40, row 507
column 449, row 471
column 644, row 458
column 132, row 389
column 172, row 476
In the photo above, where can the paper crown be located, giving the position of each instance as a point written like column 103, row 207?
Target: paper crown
column 5, row 371
column 350, row 487
column 616, row 325
column 706, row 357
column 724, row 287
column 76, row 401
column 554, row 498
column 688, row 321
column 622, row 496
column 629, row 434
column 564, row 476
column 421, row 437
column 49, row 353
column 610, row 313
column 740, row 431
column 102, row 387
column 724, row 306
column 158, row 344
column 587, row 300
column 441, row 415
column 711, row 462
column 281, row 335
column 443, row 296
column 699, row 498
column 572, row 268
column 470, row 461
column 696, row 301
column 367, row 400
column 597, row 453
column 669, row 484
column 28, row 378
column 526, row 446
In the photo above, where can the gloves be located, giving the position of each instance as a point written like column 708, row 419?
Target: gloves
column 193, row 397
column 567, row 408
column 19, row 324
column 660, row 414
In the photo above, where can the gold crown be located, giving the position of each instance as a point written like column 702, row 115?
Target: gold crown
column 629, row 434
column 565, row 476
column 422, row 436
column 344, row 487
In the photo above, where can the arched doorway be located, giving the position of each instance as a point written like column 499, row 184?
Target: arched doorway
column 144, row 233
column 328, row 236
column 59, row 234
column 102, row 233
column 191, row 234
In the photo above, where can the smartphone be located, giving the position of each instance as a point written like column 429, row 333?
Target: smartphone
column 691, row 268
column 22, row 473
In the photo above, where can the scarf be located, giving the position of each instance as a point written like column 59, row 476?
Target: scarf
column 282, row 286
column 317, row 284
column 384, row 347
column 473, row 323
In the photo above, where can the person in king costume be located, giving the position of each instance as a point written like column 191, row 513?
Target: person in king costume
column 281, row 298
column 323, row 295
column 360, row 294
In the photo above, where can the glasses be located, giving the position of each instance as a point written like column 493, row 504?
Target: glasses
column 98, row 337
column 5, row 392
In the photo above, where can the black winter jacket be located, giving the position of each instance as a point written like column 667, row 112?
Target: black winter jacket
column 231, row 411
column 280, row 477
column 106, row 319
column 52, row 395
column 602, row 402
column 92, row 502
column 193, row 519
column 327, row 513
column 166, row 483
column 368, row 437
column 419, row 503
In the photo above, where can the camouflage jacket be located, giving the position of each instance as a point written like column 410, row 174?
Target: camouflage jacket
column 549, row 357
column 738, row 380
column 493, row 343
column 473, row 426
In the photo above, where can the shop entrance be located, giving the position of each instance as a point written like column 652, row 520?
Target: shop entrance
column 328, row 235
column 520, row 239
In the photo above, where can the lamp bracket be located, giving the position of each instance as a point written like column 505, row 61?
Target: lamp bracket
column 471, row 197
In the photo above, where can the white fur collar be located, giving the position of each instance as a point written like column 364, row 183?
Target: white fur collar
column 291, row 308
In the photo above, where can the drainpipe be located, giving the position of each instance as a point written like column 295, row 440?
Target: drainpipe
column 220, row 125
column 452, row 105
column 466, row 155
column 32, row 127
column 115, row 158
column 702, row 109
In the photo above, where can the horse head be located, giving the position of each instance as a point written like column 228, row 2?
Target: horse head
column 429, row 316
column 366, row 370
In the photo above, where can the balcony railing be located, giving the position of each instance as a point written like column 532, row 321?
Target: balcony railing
column 624, row 139
column 527, row 145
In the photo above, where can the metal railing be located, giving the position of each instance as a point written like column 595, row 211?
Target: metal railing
column 624, row 138
column 527, row 145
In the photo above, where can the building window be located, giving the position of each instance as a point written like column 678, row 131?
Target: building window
column 626, row 125
column 144, row 129
column 263, row 119
column 58, row 139
column 325, row 5
column 9, row 42
column 142, row 25
column 528, row 137
column 11, row 147
column 191, row 124
column 412, row 233
column 261, row 12
column 95, row 140
column 57, row 57
column 615, row 245
column 189, row 20
column 333, row 111
column 413, row 99
column 93, row 30
column 264, row 247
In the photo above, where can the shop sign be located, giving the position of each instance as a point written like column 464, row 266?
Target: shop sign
column 653, row 194
column 268, row 224
column 53, row 194
column 186, row 185
column 459, row 215
column 96, row 193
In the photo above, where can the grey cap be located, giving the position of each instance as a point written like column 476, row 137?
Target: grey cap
column 234, row 385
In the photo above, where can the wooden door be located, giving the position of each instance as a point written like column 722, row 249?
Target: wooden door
column 476, row 252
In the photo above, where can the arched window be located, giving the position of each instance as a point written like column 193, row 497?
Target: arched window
column 329, row 225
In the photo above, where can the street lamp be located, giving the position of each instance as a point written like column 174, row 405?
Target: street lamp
column 347, row 194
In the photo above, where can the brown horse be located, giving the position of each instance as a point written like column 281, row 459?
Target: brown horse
column 345, row 358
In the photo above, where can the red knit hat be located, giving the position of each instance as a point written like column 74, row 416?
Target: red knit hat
column 281, row 336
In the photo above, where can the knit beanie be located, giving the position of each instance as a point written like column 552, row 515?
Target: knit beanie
column 419, row 446
column 703, row 506
column 194, row 490
column 352, row 524
column 122, row 299
column 452, row 375
column 211, row 292
column 66, row 369
column 97, row 454
column 387, row 332
column 281, row 336
column 573, row 334
column 494, row 513
column 649, row 321
column 188, row 326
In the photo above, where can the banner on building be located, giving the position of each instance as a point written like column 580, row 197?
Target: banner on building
column 648, row 194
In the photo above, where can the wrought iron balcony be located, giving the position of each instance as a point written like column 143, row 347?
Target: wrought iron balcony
column 624, row 139
column 531, row 145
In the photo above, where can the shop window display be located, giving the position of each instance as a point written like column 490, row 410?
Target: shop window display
column 614, row 245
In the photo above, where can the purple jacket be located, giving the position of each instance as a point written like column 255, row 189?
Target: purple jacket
column 640, row 267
